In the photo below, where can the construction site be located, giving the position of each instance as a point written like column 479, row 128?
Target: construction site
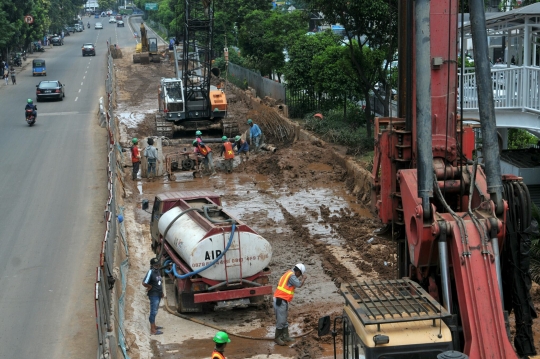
column 307, row 201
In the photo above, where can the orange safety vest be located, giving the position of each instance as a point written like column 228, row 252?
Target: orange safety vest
column 284, row 290
column 229, row 153
column 217, row 355
column 204, row 150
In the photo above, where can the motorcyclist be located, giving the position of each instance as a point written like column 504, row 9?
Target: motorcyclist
column 88, row 24
column 30, row 106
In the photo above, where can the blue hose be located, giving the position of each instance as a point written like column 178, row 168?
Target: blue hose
column 187, row 275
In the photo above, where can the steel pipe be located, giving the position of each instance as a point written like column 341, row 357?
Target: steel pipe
column 443, row 259
column 423, row 105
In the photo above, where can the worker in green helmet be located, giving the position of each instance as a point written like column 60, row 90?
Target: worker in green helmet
column 135, row 158
column 198, row 136
column 255, row 135
column 221, row 339
column 242, row 149
column 204, row 151
column 228, row 153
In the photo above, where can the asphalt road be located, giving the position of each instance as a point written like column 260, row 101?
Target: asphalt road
column 53, row 193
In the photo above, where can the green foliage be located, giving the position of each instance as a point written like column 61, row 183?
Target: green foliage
column 299, row 69
column 340, row 130
column 106, row 4
column 265, row 34
column 518, row 138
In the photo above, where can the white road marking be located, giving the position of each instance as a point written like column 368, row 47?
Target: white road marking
column 59, row 113
column 82, row 83
column 86, row 72
column 83, row 77
column 76, row 98
column 79, row 90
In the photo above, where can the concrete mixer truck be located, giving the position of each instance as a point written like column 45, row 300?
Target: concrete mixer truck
column 214, row 260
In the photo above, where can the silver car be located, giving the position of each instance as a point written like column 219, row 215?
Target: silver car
column 98, row 26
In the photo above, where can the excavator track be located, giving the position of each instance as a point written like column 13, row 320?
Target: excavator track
column 164, row 127
column 230, row 127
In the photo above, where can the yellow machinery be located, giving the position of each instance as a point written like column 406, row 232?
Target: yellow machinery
column 146, row 51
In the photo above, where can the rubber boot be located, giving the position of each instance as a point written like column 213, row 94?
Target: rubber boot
column 277, row 337
column 286, row 338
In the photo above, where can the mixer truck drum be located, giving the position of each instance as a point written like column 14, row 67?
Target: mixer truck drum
column 188, row 164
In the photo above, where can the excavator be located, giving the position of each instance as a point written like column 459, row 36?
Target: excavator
column 146, row 51
column 189, row 101
column 462, row 230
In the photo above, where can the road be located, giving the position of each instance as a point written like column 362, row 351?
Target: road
column 52, row 188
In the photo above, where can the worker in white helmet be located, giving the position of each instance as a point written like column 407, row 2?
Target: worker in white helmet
column 282, row 297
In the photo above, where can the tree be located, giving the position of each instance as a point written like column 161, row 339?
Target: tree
column 265, row 35
column 298, row 70
column 371, row 23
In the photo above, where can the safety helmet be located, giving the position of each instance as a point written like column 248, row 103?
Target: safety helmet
column 198, row 133
column 154, row 261
column 194, row 142
column 30, row 100
column 134, row 140
column 301, row 267
column 237, row 138
column 250, row 121
column 224, row 138
column 221, row 338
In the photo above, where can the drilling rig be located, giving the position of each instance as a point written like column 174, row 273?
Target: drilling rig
column 462, row 229
column 189, row 101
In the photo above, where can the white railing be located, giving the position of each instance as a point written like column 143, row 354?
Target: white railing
column 513, row 87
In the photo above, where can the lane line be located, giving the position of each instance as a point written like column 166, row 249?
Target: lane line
column 59, row 113
column 84, row 77
column 76, row 98
column 82, row 83
column 79, row 90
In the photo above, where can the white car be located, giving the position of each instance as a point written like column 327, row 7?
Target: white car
column 112, row 19
column 98, row 26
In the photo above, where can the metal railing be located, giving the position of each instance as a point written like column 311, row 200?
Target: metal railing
column 514, row 88
column 108, row 301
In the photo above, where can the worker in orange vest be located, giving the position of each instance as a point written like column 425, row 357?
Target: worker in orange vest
column 221, row 339
column 206, row 152
column 282, row 297
column 228, row 152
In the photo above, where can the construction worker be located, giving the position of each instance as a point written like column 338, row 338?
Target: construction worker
column 282, row 297
column 255, row 135
column 135, row 158
column 227, row 150
column 206, row 152
column 242, row 148
column 221, row 339
column 198, row 136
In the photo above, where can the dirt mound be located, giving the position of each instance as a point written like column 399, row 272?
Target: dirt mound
column 298, row 165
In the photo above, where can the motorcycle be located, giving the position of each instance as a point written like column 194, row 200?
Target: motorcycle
column 30, row 118
column 88, row 25
column 17, row 61
column 24, row 55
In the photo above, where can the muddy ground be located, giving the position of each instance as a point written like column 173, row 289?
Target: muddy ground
column 297, row 198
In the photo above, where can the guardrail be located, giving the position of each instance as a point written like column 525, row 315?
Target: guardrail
column 109, row 298
column 514, row 88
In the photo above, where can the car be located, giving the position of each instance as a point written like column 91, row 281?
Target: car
column 119, row 23
column 112, row 19
column 98, row 26
column 88, row 49
column 78, row 28
column 57, row 41
column 70, row 29
column 50, row 89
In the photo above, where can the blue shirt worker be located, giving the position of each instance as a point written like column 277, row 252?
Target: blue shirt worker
column 242, row 149
column 151, row 154
column 30, row 106
column 282, row 297
column 154, row 289
column 255, row 135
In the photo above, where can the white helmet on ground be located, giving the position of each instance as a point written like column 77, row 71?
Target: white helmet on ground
column 300, row 267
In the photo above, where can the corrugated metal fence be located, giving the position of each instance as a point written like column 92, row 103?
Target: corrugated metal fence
column 108, row 297
column 243, row 77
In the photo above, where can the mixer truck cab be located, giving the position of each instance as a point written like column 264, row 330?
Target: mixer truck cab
column 214, row 260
